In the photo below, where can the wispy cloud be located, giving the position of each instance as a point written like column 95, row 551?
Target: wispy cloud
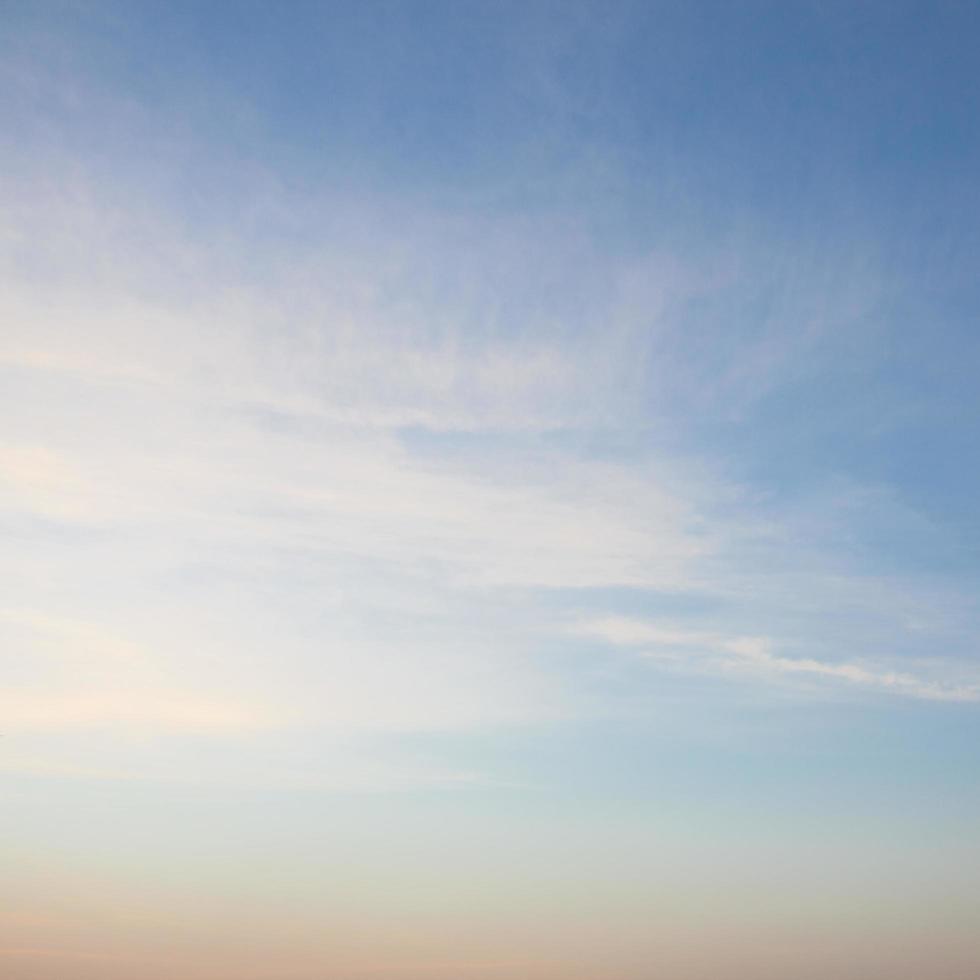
column 754, row 655
column 328, row 472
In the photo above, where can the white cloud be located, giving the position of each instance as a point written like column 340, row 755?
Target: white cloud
column 753, row 654
column 293, row 487
column 248, row 413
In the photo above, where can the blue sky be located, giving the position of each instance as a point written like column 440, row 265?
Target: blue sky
column 489, row 490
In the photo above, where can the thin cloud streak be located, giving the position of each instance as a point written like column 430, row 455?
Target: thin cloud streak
column 752, row 655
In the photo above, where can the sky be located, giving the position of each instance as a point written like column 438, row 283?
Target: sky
column 489, row 490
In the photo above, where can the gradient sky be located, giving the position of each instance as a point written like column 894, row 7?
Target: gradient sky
column 489, row 490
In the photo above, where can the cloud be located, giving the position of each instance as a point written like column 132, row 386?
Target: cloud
column 752, row 655
column 272, row 413
column 330, row 467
